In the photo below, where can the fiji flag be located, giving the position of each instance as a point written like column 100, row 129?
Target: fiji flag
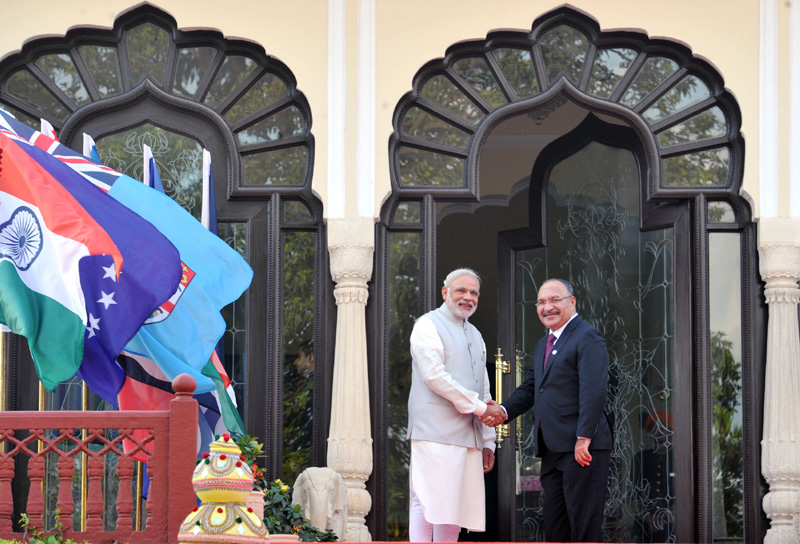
column 185, row 329
column 63, row 245
column 217, row 407
column 183, row 332
column 146, row 387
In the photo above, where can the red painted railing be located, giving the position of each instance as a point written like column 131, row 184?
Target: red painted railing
column 169, row 445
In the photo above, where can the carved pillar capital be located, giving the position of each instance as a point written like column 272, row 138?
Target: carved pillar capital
column 779, row 251
column 779, row 264
column 351, row 243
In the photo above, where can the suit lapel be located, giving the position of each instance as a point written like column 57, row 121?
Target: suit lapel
column 559, row 346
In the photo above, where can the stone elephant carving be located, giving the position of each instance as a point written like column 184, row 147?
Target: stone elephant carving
column 322, row 494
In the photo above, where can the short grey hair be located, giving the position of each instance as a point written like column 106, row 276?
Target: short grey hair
column 565, row 283
column 448, row 281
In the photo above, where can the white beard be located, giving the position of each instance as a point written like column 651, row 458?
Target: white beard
column 458, row 311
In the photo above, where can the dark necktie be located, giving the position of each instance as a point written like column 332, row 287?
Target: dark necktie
column 551, row 340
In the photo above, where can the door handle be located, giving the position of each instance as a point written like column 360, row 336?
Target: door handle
column 500, row 367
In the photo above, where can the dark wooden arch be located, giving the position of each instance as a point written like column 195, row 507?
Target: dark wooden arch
column 661, row 205
column 260, row 207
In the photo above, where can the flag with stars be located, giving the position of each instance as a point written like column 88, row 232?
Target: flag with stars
column 79, row 272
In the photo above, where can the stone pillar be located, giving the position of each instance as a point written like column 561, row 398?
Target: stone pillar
column 779, row 251
column 351, row 244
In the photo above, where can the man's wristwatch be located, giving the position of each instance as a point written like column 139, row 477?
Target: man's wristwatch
column 584, row 438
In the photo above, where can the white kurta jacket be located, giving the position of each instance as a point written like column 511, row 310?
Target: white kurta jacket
column 449, row 388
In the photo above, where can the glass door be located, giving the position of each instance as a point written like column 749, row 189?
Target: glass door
column 623, row 281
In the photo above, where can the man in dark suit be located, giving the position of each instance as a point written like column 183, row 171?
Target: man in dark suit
column 568, row 382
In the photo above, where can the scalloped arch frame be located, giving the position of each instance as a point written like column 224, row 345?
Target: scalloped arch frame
column 199, row 119
column 547, row 86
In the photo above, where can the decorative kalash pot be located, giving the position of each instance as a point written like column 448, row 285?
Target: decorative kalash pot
column 223, row 481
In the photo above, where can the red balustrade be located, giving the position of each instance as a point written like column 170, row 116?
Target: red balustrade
column 168, row 444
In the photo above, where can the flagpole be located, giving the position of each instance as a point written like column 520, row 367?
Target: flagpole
column 41, row 409
column 84, row 459
column 2, row 381
column 139, row 485
column 2, row 372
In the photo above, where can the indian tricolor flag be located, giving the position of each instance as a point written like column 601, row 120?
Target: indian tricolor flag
column 44, row 234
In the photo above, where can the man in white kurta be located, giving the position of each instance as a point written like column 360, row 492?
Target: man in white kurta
column 450, row 448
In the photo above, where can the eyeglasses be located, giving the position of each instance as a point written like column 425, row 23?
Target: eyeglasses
column 553, row 301
column 461, row 291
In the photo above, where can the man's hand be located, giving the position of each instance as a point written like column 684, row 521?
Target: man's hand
column 582, row 455
column 494, row 415
column 488, row 460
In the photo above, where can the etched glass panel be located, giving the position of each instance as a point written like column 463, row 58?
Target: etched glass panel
column 61, row 70
column 193, row 63
column 517, row 67
column 420, row 124
column 276, row 167
column 721, row 212
column 441, row 91
column 623, row 280
column 267, row 90
column 420, row 167
column 688, row 92
column 408, row 212
column 234, row 354
column 403, row 298
column 103, row 65
column 654, row 72
column 23, row 86
column 564, row 51
column 700, row 168
column 610, row 65
column 727, row 446
column 284, row 124
column 703, row 126
column 477, row 74
column 295, row 211
column 179, row 160
column 148, row 48
column 233, row 71
column 299, row 280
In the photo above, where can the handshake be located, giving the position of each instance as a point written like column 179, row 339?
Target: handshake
column 494, row 414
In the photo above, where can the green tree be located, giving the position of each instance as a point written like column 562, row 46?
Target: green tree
column 726, row 392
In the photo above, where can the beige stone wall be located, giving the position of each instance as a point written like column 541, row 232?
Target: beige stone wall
column 409, row 33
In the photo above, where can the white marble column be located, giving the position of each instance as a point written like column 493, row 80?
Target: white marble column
column 779, row 250
column 351, row 245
